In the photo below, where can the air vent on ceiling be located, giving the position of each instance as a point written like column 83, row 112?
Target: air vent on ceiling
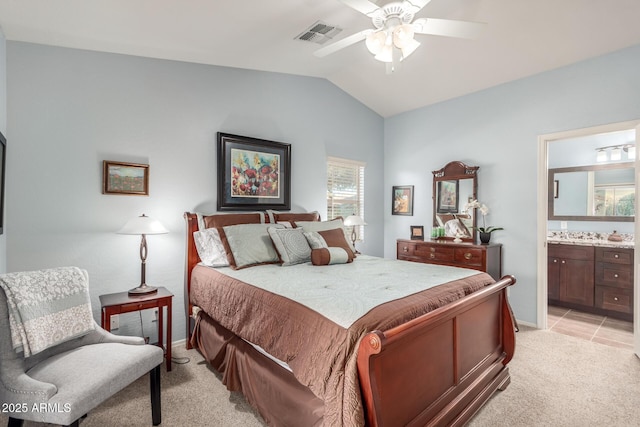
column 319, row 33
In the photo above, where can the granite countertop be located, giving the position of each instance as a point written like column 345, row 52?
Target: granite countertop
column 589, row 239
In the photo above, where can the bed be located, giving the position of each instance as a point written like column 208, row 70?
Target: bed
column 424, row 356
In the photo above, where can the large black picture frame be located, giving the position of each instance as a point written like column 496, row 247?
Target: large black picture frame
column 253, row 174
column 3, row 161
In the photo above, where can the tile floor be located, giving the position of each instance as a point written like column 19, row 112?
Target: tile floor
column 592, row 327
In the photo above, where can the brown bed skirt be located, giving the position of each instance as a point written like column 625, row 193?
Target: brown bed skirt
column 268, row 387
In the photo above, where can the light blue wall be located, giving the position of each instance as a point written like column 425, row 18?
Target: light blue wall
column 497, row 129
column 71, row 109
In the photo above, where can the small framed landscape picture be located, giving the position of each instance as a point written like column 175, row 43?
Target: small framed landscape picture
column 125, row 178
column 402, row 202
column 417, row 232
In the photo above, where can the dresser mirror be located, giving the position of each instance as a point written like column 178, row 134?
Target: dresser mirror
column 593, row 193
column 454, row 186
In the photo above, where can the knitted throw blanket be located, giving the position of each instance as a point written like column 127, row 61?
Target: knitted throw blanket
column 47, row 307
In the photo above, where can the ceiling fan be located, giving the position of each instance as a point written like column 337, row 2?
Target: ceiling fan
column 392, row 39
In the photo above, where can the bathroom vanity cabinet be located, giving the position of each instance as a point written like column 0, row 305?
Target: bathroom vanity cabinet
column 591, row 278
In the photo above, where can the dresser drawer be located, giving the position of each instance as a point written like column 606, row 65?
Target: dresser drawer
column 618, row 275
column 406, row 249
column 615, row 256
column 435, row 253
column 615, row 299
column 469, row 256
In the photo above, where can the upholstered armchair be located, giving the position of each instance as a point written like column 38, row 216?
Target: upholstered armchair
column 63, row 383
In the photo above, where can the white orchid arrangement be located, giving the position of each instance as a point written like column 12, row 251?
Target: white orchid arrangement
column 484, row 210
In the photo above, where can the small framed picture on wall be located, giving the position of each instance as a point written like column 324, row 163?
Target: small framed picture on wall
column 125, row 178
column 402, row 201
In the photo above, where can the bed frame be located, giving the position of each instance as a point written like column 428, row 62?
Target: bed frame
column 435, row 370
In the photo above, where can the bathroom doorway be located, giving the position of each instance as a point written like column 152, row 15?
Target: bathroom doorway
column 580, row 150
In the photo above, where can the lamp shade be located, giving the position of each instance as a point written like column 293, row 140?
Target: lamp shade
column 354, row 220
column 143, row 225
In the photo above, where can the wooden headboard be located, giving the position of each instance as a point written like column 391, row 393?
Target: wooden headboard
column 191, row 259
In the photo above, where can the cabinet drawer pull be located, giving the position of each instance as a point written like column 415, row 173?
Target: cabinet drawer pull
column 615, row 298
column 616, row 256
column 468, row 256
column 432, row 255
column 563, row 261
column 406, row 249
column 615, row 275
column 432, row 249
column 555, row 260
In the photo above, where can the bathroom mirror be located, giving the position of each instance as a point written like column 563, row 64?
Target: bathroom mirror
column 593, row 193
column 454, row 186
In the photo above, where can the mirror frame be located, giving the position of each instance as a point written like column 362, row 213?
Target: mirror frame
column 455, row 171
column 551, row 192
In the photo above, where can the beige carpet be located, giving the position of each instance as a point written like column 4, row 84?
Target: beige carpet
column 556, row 380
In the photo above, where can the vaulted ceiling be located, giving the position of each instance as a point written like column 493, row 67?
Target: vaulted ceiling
column 521, row 38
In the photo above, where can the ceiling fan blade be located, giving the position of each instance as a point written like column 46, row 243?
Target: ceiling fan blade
column 448, row 28
column 362, row 6
column 418, row 4
column 341, row 44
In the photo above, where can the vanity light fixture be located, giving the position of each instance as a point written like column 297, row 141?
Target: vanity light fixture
column 616, row 153
column 602, row 153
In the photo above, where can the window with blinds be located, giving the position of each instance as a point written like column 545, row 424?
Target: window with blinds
column 345, row 189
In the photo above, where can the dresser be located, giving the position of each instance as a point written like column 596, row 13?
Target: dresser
column 486, row 258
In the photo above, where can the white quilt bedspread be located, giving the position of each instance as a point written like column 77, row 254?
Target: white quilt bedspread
column 343, row 293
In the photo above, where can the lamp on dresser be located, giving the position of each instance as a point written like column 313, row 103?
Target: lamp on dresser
column 143, row 225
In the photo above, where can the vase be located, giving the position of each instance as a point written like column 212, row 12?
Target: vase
column 485, row 237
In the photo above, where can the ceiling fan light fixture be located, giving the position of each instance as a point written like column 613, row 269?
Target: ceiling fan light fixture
column 409, row 48
column 376, row 41
column 403, row 36
column 385, row 54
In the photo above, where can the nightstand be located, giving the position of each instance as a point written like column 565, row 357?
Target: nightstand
column 121, row 302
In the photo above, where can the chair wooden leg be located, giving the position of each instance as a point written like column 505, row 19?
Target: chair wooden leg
column 15, row 422
column 156, row 411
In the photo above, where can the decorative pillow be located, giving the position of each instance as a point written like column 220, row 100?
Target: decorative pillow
column 315, row 240
column 210, row 248
column 291, row 245
column 336, row 223
column 329, row 256
column 249, row 244
column 335, row 239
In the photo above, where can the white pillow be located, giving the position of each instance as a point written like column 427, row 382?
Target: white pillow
column 210, row 248
column 291, row 245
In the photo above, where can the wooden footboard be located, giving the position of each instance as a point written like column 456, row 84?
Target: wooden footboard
column 440, row 368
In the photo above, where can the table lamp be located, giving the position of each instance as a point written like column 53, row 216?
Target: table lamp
column 143, row 225
column 353, row 221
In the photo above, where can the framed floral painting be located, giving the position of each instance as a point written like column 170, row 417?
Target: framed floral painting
column 253, row 174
